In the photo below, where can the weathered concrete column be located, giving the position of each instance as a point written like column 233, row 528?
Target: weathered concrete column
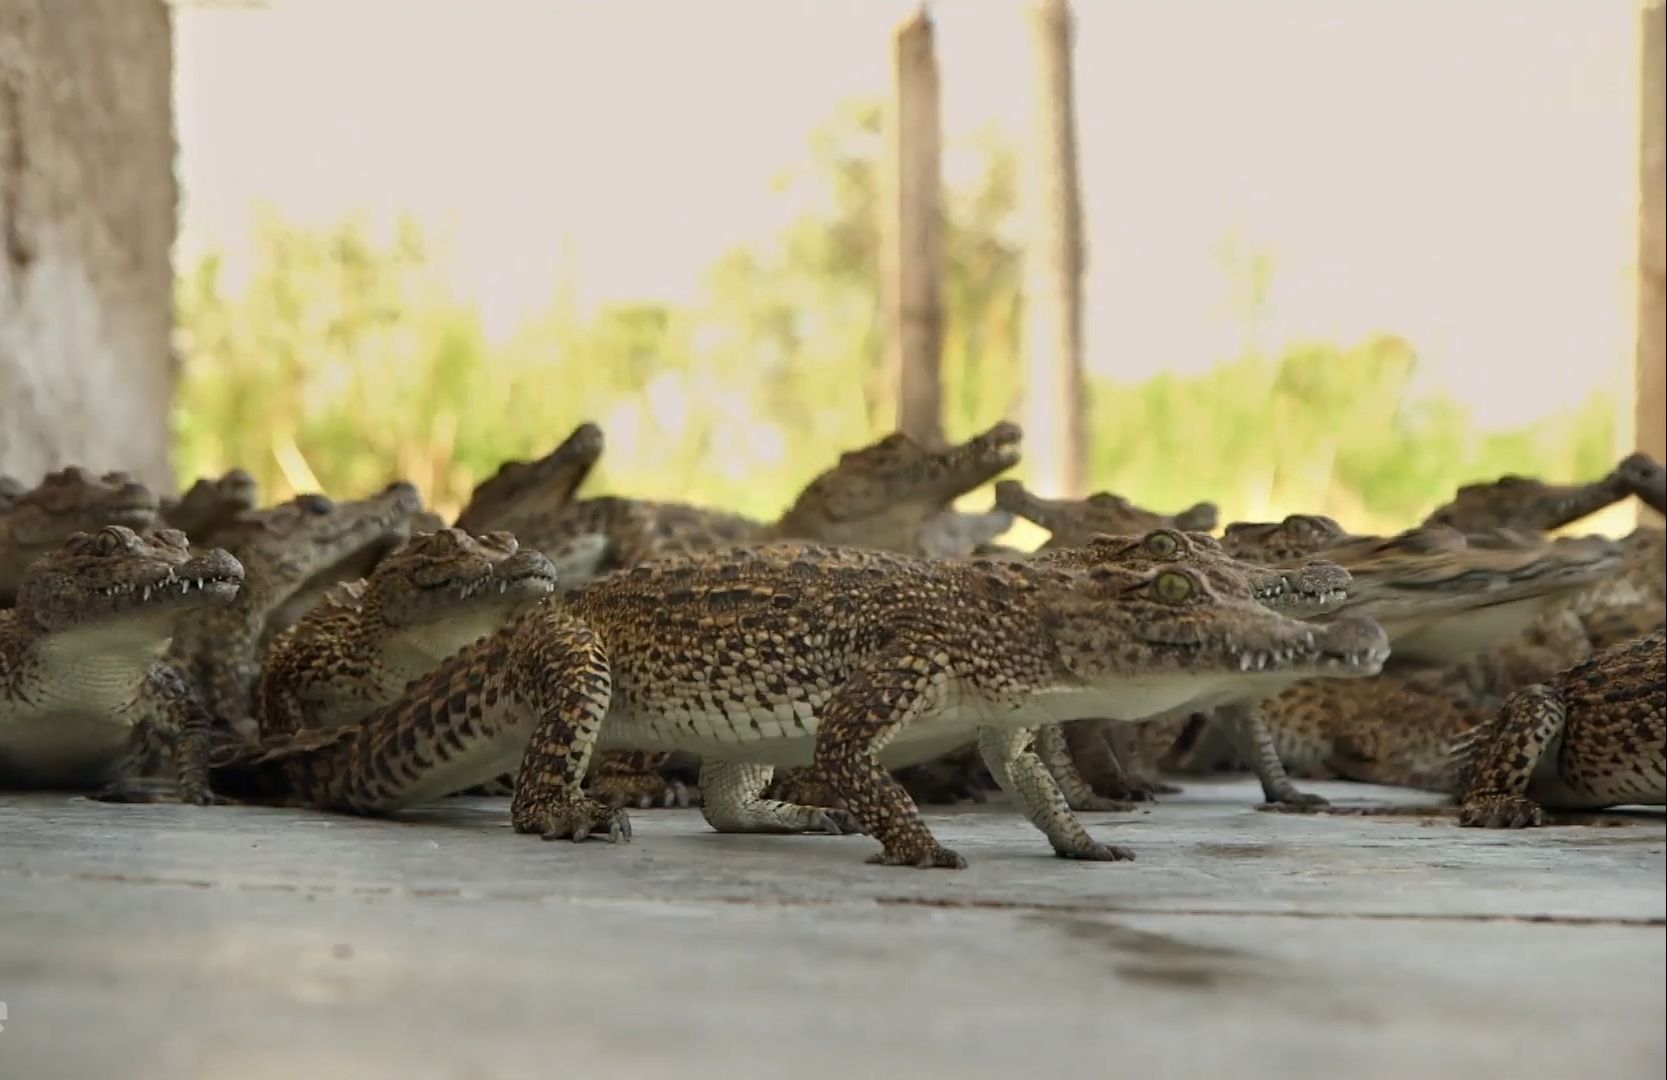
column 1651, row 402
column 87, row 218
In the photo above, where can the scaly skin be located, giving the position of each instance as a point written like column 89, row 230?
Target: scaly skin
column 1594, row 736
column 66, row 502
column 85, row 693
column 357, row 651
column 1521, row 502
column 211, row 504
column 284, row 549
column 530, row 492
column 753, row 663
column 1076, row 521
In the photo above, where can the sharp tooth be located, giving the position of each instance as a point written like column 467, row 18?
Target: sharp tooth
column 1244, row 661
column 144, row 595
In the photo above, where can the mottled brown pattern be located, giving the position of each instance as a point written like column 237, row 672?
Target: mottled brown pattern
column 1522, row 502
column 307, row 542
column 85, row 695
column 523, row 494
column 358, row 649
column 38, row 521
column 1594, row 736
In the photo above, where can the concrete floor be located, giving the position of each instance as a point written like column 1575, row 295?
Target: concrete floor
column 140, row 941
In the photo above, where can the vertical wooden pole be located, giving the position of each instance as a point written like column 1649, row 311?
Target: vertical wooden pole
column 1056, row 443
column 1651, row 400
column 912, row 232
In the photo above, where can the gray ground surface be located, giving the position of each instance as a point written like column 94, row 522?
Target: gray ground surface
column 140, row 941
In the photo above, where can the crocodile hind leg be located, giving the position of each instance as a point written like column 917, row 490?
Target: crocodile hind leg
column 1097, row 762
column 1021, row 773
column 1496, row 789
column 1256, row 745
column 734, row 802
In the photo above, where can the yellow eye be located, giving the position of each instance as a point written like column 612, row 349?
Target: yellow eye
column 1163, row 545
column 1173, row 588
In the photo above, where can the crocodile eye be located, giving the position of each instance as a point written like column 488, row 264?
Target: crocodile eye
column 1172, row 588
column 1162, row 544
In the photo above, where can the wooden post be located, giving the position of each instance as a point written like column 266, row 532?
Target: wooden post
column 1651, row 400
column 912, row 232
column 1056, row 444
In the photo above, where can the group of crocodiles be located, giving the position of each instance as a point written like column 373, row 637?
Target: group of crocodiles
column 871, row 650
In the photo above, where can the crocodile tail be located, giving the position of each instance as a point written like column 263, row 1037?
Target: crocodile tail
column 289, row 769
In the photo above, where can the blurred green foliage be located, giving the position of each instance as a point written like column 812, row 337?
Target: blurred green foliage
column 345, row 360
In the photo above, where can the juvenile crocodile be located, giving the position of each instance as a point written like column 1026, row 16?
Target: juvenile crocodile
column 752, row 663
column 85, row 692
column 532, row 492
column 1594, row 736
column 1523, row 502
column 210, row 504
column 308, row 541
column 65, row 502
column 357, row 650
column 880, row 496
column 1076, row 521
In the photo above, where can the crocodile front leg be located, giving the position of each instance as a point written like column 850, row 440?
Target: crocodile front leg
column 1096, row 759
column 1256, row 745
column 864, row 714
column 1495, row 795
column 733, row 802
column 1021, row 774
column 634, row 778
column 166, row 714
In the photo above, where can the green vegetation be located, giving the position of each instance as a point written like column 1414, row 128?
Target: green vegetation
column 345, row 360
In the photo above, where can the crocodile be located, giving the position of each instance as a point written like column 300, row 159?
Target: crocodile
column 893, row 494
column 86, row 693
column 1592, row 737
column 1523, row 502
column 533, row 491
column 756, row 662
column 211, row 504
column 356, row 651
column 283, row 549
column 882, row 496
column 1076, row 521
column 67, row 501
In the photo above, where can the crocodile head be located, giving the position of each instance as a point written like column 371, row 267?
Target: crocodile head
column 1523, row 502
column 883, row 494
column 1442, row 602
column 1645, row 477
column 457, row 585
column 1298, row 535
column 297, row 549
column 542, row 487
column 1299, row 591
column 211, row 503
column 115, row 587
column 1195, row 637
column 1073, row 521
column 67, row 501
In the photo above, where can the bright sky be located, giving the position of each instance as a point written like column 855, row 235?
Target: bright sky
column 1462, row 173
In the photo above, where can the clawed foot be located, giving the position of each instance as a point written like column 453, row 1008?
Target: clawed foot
column 933, row 857
column 1297, row 802
column 1097, row 853
column 133, row 792
column 1501, row 812
column 831, row 822
column 576, row 820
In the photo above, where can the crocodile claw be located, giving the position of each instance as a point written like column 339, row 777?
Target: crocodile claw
column 582, row 818
column 934, row 857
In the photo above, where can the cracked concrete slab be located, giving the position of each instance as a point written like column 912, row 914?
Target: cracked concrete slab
column 163, row 940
